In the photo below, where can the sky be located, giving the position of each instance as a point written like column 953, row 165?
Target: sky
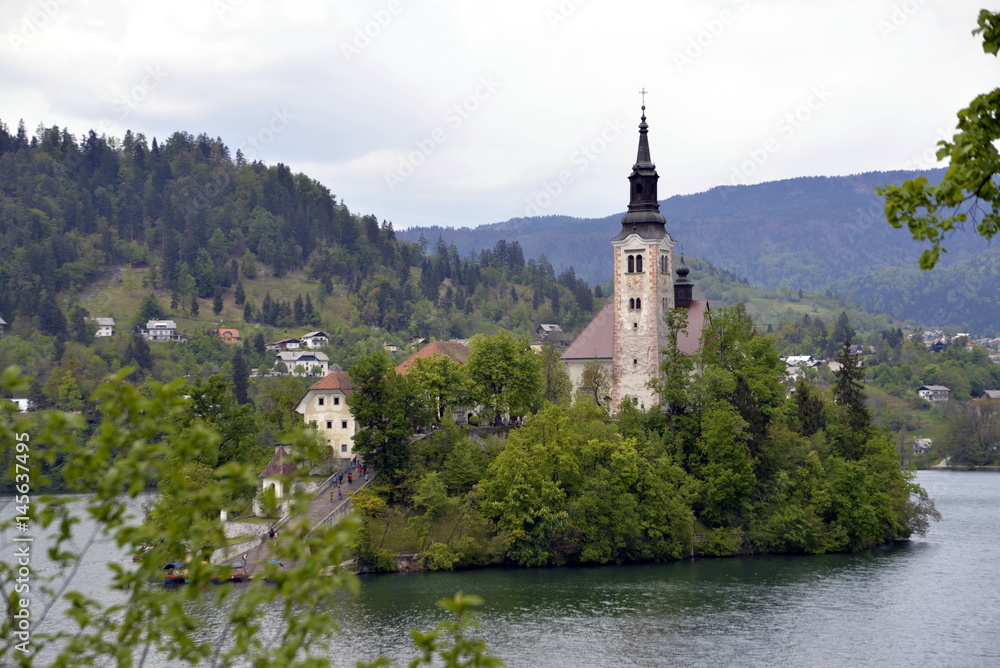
column 460, row 113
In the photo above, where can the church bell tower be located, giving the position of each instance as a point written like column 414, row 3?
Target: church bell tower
column 643, row 284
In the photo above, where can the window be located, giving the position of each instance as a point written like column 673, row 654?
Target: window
column 638, row 263
column 320, row 401
column 635, row 361
column 329, row 424
column 336, row 401
column 631, row 264
column 638, row 303
column 631, row 304
column 343, row 424
column 343, row 447
column 638, row 188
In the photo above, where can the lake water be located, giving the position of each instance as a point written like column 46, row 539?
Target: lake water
column 933, row 601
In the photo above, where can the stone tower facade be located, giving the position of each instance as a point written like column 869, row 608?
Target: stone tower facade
column 643, row 285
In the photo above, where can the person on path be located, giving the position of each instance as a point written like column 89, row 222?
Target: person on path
column 350, row 478
column 366, row 477
column 340, row 494
column 331, row 496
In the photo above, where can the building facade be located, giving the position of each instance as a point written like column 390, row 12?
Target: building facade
column 325, row 406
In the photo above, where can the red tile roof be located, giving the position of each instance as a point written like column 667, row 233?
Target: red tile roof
column 279, row 465
column 597, row 338
column 336, row 380
column 453, row 350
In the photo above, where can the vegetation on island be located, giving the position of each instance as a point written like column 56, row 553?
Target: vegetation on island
column 734, row 466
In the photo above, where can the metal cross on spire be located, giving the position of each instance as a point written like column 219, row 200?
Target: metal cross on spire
column 643, row 93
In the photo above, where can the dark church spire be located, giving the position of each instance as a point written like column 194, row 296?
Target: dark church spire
column 643, row 215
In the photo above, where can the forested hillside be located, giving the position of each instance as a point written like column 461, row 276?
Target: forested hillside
column 197, row 223
column 810, row 233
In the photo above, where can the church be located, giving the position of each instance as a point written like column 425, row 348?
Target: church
column 627, row 335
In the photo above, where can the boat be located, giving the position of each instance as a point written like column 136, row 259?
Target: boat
column 281, row 566
column 236, row 572
column 175, row 573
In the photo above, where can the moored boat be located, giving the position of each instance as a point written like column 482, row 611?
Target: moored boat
column 175, row 573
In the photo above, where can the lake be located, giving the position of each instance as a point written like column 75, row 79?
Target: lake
column 932, row 601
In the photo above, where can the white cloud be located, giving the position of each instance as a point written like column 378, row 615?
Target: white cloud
column 370, row 82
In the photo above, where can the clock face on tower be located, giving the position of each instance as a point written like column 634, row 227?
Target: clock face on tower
column 633, row 282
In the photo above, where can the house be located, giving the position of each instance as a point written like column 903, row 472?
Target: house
column 161, row 330
column 544, row 330
column 3, row 326
column 229, row 335
column 934, row 393
column 105, row 327
column 989, row 394
column 455, row 351
column 390, row 347
column 274, row 477
column 308, row 362
column 325, row 406
column 284, row 344
column 315, row 340
column 799, row 360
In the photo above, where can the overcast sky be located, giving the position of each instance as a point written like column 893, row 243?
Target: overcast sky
column 462, row 113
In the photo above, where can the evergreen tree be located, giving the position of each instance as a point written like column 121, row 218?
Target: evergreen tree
column 138, row 353
column 248, row 312
column 239, row 296
column 849, row 394
column 808, row 408
column 217, row 303
column 194, row 305
column 241, row 376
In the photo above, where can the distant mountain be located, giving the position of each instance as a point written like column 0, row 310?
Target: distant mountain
column 964, row 295
column 808, row 232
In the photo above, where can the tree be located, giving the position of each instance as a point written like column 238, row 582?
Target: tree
column 217, row 302
column 141, row 432
column 239, row 296
column 849, row 394
column 194, row 305
column 595, row 383
column 556, row 385
column 241, row 376
column 969, row 187
column 138, row 352
column 387, row 407
column 442, row 381
column 675, row 368
column 503, row 371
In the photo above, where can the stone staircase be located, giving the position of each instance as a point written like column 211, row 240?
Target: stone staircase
column 321, row 509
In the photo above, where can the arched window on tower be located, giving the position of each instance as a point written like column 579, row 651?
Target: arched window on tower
column 663, row 264
column 631, row 264
column 638, row 303
column 638, row 188
column 638, row 263
column 631, row 304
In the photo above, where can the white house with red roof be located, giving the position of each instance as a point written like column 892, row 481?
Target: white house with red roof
column 325, row 406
